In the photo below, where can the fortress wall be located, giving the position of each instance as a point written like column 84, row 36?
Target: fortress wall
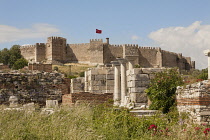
column 170, row 59
column 111, row 52
column 40, row 52
column 147, row 57
column 28, row 52
column 78, row 53
column 59, row 48
column 96, row 51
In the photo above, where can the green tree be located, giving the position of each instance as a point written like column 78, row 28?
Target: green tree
column 20, row 63
column 204, row 74
column 5, row 56
column 162, row 89
column 15, row 54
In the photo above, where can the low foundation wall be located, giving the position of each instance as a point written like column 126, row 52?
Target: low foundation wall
column 195, row 100
column 86, row 97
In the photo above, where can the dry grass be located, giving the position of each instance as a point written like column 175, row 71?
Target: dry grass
column 73, row 68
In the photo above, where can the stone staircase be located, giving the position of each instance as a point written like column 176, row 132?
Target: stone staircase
column 140, row 110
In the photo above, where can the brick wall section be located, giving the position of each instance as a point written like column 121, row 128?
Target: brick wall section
column 195, row 100
column 86, row 97
column 40, row 67
column 4, row 67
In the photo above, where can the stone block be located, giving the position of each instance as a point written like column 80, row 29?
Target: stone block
column 138, row 97
column 152, row 70
column 110, row 82
column 110, row 77
column 137, row 90
column 100, row 77
column 138, row 83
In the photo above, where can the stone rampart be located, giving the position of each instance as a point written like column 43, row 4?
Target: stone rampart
column 98, row 52
column 195, row 100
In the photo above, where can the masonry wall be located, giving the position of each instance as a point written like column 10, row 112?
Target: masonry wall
column 86, row 98
column 40, row 67
column 170, row 59
column 195, row 100
column 33, row 87
column 111, row 52
column 147, row 57
column 78, row 53
column 28, row 52
column 96, row 51
column 40, row 52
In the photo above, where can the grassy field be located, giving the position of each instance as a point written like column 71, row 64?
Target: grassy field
column 72, row 68
column 96, row 123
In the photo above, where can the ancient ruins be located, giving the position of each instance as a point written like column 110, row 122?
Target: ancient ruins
column 57, row 51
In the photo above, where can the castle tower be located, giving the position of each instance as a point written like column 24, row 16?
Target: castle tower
column 56, row 49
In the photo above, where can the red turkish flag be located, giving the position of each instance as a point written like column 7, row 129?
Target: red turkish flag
column 98, row 31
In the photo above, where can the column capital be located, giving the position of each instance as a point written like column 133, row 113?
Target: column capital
column 206, row 52
column 115, row 63
column 121, row 60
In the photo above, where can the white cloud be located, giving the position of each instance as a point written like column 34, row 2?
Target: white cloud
column 190, row 41
column 10, row 33
column 135, row 37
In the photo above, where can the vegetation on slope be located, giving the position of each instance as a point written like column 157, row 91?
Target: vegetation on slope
column 99, row 122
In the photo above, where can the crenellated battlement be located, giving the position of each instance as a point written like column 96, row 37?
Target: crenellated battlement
column 96, row 40
column 27, row 46
column 40, row 44
column 114, row 45
column 131, row 45
column 79, row 44
column 149, row 48
column 99, row 52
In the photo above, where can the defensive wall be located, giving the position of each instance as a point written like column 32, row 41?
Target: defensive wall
column 99, row 52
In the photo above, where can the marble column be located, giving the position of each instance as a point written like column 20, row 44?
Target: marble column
column 117, row 95
column 207, row 53
column 123, row 80
column 131, row 60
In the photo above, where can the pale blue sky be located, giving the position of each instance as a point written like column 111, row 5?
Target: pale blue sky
column 181, row 26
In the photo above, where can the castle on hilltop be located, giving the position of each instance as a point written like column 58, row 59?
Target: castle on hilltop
column 56, row 50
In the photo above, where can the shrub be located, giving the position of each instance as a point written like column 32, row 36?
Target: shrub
column 162, row 89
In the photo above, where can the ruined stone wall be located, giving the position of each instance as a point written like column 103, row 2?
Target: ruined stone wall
column 40, row 50
column 33, row 87
column 78, row 53
column 147, row 57
column 195, row 100
column 77, row 85
column 28, row 52
column 111, row 52
column 100, row 80
column 40, row 67
column 86, row 98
